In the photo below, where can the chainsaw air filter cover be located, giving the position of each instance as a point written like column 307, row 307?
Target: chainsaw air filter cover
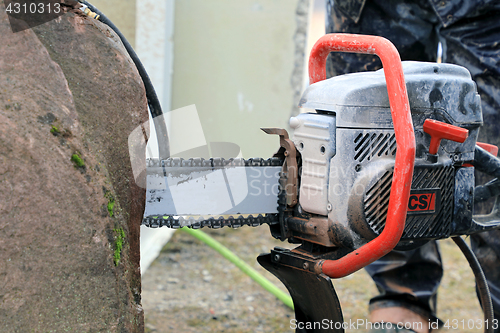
column 348, row 149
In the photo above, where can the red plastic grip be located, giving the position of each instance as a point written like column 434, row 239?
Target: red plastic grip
column 439, row 130
column 492, row 149
column 405, row 138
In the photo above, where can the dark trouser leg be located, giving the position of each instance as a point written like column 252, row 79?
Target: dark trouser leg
column 409, row 279
column 413, row 34
column 475, row 44
column 486, row 247
column 472, row 43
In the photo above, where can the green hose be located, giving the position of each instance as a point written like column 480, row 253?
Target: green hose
column 252, row 273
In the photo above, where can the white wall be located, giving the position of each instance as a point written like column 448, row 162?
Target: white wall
column 234, row 60
column 154, row 46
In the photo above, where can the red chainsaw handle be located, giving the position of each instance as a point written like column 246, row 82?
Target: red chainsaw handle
column 405, row 138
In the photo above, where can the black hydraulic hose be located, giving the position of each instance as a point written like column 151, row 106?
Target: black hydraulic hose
column 486, row 162
column 486, row 191
column 153, row 102
column 482, row 284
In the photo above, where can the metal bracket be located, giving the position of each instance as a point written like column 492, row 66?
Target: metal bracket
column 290, row 165
column 314, row 297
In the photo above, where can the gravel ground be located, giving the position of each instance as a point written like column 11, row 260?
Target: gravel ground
column 191, row 288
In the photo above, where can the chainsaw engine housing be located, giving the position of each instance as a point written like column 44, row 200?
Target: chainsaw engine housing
column 348, row 149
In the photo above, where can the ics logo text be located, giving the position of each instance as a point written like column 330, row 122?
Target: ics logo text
column 424, row 201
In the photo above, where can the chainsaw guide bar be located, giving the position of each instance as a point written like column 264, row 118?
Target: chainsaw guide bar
column 185, row 192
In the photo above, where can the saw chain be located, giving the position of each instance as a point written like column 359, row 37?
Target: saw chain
column 216, row 222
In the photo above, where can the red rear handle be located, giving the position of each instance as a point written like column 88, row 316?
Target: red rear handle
column 405, row 138
column 492, row 149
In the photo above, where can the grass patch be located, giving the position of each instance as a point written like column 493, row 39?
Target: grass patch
column 196, row 322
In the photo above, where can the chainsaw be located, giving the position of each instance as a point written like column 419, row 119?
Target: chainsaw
column 382, row 160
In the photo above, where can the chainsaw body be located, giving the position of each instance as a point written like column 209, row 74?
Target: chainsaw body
column 383, row 160
column 348, row 149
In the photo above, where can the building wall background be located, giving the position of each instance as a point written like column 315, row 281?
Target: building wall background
column 121, row 13
column 234, row 60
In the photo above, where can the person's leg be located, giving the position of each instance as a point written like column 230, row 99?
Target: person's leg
column 408, row 280
column 408, row 24
column 486, row 247
column 474, row 43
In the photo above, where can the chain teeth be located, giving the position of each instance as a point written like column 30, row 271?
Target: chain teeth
column 213, row 162
column 211, row 222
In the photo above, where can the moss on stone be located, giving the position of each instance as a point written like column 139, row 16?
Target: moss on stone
column 111, row 205
column 55, row 131
column 119, row 240
column 111, row 201
column 77, row 160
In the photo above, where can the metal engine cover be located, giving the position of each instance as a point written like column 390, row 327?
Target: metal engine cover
column 360, row 152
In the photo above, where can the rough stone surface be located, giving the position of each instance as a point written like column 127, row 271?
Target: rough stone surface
column 68, row 88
